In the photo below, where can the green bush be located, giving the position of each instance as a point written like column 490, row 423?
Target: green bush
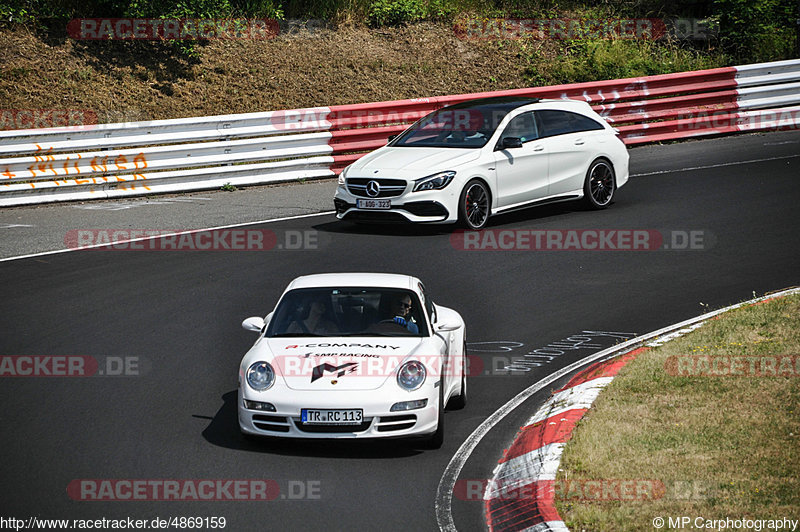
column 326, row 9
column 27, row 10
column 178, row 8
column 15, row 13
column 258, row 9
column 615, row 59
column 395, row 12
column 443, row 10
column 757, row 30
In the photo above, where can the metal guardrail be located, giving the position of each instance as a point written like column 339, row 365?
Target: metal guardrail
column 136, row 158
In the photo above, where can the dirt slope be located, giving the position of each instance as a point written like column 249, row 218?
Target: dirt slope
column 121, row 81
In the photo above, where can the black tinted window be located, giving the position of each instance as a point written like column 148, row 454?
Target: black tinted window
column 561, row 122
column 348, row 312
column 523, row 127
column 457, row 126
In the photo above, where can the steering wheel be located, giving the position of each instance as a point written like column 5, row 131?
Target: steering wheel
column 458, row 137
column 392, row 320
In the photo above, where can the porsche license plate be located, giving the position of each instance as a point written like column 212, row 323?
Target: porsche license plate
column 373, row 204
column 354, row 416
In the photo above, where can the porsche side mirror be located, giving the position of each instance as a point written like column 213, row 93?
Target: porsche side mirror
column 254, row 324
column 446, row 327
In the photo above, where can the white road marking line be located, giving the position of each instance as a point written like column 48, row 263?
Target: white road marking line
column 141, row 203
column 104, row 207
column 187, row 232
column 716, row 165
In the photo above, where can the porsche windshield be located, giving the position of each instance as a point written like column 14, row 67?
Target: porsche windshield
column 348, row 312
column 457, row 126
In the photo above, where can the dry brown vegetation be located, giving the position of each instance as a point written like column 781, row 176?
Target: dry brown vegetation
column 126, row 81
column 152, row 80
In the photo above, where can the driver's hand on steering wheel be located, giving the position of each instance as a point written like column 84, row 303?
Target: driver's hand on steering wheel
column 400, row 320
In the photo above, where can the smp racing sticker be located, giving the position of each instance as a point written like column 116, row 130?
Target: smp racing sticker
column 349, row 355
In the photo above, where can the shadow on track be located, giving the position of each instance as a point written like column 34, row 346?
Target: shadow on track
column 383, row 229
column 531, row 214
column 223, row 431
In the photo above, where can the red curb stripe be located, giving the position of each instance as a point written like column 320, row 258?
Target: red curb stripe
column 512, row 514
column 608, row 368
column 764, row 301
column 554, row 429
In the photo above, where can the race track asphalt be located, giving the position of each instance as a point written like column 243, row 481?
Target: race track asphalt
column 178, row 315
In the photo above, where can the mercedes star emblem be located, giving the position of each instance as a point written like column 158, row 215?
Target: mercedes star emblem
column 373, row 189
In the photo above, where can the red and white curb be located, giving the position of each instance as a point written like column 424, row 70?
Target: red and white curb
column 530, row 464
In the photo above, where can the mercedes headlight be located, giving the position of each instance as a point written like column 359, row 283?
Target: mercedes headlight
column 260, row 376
column 411, row 375
column 343, row 175
column 435, row 181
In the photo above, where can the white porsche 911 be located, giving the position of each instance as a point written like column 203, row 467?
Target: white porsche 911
column 353, row 355
column 469, row 161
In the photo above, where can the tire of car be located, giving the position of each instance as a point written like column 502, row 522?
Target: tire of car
column 435, row 440
column 460, row 401
column 474, row 205
column 600, row 185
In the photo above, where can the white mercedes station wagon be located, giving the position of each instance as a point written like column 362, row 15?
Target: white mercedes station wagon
column 469, row 161
column 353, row 355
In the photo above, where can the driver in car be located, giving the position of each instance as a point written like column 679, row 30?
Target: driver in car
column 401, row 308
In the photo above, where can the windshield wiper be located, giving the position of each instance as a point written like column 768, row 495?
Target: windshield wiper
column 366, row 333
column 295, row 335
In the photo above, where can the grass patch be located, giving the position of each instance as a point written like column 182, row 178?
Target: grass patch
column 722, row 446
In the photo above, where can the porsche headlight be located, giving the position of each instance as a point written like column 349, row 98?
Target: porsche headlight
column 435, row 181
column 260, row 376
column 411, row 375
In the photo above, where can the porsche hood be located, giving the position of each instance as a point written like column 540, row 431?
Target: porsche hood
column 316, row 364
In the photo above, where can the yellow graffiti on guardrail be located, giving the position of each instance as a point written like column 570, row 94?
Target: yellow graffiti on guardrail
column 45, row 162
